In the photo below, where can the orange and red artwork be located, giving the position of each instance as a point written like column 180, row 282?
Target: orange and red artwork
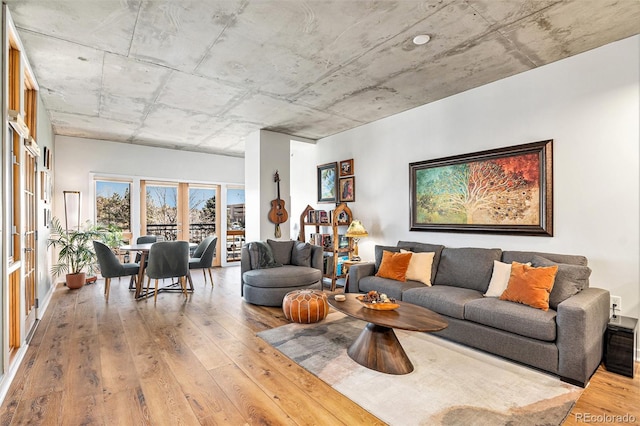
column 499, row 190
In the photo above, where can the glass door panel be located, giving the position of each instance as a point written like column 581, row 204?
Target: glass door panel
column 202, row 212
column 161, row 211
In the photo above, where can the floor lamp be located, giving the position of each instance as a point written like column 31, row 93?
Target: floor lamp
column 72, row 210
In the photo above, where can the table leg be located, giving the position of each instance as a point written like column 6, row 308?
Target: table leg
column 143, row 260
column 379, row 349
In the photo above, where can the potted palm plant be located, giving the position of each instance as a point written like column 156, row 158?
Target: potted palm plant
column 76, row 256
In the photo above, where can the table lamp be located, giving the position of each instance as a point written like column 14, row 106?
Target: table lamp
column 356, row 231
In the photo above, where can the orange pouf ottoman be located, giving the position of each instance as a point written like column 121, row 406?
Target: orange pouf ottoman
column 305, row 306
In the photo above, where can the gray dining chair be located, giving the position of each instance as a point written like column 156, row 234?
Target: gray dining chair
column 145, row 239
column 202, row 258
column 168, row 259
column 111, row 267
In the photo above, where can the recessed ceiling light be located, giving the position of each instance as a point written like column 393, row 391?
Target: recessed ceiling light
column 421, row 39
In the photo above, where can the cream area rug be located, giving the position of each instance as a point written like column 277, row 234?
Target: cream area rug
column 450, row 385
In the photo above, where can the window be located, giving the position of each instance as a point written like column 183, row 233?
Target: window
column 113, row 204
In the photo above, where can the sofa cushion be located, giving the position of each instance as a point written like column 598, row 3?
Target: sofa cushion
column 285, row 276
column 391, row 288
column 425, row 247
column 499, row 279
column 527, row 256
column 513, row 317
column 281, row 251
column 444, row 300
column 420, row 266
column 530, row 285
column 261, row 255
column 394, row 265
column 379, row 250
column 570, row 280
column 466, row 267
column 301, row 254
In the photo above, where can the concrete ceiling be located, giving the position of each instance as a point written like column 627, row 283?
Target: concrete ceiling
column 202, row 75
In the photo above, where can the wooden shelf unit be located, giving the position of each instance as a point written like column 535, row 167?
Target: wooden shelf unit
column 344, row 212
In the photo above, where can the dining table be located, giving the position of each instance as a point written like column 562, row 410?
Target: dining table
column 143, row 249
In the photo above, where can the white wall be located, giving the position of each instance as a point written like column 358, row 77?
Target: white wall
column 77, row 159
column 589, row 106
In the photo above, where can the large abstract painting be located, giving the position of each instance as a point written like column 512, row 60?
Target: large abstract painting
column 506, row 190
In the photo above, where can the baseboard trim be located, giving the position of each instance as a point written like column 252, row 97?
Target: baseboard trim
column 7, row 379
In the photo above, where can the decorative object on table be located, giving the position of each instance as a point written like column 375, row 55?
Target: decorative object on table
column 356, row 231
column 327, row 177
column 506, row 190
column 621, row 345
column 511, row 393
column 377, row 301
column 347, row 189
column 346, row 167
column 305, row 306
column 278, row 214
column 76, row 256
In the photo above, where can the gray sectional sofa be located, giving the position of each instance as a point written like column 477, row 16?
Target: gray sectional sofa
column 295, row 265
column 566, row 340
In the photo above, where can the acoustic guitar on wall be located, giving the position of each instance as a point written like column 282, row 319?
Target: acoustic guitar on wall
column 278, row 214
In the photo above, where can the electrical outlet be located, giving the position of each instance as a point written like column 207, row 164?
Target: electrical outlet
column 617, row 302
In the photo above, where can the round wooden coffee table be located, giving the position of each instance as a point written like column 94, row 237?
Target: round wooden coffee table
column 377, row 347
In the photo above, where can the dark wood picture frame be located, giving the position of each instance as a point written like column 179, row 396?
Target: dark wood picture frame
column 346, row 168
column 347, row 189
column 327, row 176
column 503, row 191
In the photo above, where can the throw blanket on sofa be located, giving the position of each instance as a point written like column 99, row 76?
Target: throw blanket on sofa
column 261, row 255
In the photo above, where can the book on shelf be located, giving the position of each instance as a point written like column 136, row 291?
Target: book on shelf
column 318, row 216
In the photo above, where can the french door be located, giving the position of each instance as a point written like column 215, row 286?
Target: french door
column 30, row 243
column 179, row 211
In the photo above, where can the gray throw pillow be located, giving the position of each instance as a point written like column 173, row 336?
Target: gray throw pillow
column 467, row 267
column 281, row 251
column 261, row 256
column 301, row 254
column 570, row 280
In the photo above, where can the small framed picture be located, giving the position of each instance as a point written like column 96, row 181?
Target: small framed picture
column 327, row 176
column 347, row 189
column 346, row 168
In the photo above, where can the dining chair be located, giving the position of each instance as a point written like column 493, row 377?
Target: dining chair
column 202, row 258
column 168, row 259
column 145, row 239
column 111, row 267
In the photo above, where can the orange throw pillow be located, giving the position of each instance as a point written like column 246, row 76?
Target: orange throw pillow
column 394, row 265
column 530, row 286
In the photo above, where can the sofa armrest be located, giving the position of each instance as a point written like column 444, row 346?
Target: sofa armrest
column 581, row 322
column 316, row 257
column 358, row 271
column 245, row 265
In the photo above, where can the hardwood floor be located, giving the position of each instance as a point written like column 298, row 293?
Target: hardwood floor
column 193, row 362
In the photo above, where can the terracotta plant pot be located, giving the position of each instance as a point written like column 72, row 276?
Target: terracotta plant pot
column 76, row 280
